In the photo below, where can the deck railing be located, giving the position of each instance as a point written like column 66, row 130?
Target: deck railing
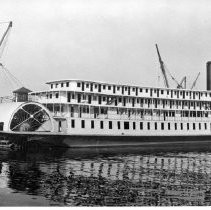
column 6, row 99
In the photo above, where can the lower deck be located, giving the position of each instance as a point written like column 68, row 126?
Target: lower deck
column 109, row 127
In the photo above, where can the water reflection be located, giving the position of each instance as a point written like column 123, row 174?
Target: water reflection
column 149, row 176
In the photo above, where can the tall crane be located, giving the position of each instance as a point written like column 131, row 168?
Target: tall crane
column 9, row 77
column 180, row 85
column 3, row 39
column 162, row 68
column 194, row 83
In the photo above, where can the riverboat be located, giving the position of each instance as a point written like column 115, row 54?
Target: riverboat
column 82, row 113
column 90, row 113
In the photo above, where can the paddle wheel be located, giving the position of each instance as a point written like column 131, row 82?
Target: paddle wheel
column 25, row 117
column 31, row 117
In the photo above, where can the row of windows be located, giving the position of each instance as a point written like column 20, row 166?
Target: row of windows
column 134, row 101
column 62, row 85
column 149, row 125
column 134, row 89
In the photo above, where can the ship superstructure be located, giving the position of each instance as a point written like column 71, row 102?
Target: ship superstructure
column 83, row 107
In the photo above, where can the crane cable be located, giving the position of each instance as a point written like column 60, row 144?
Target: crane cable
column 11, row 77
column 173, row 78
column 3, row 46
column 4, row 38
column 7, row 80
column 17, row 81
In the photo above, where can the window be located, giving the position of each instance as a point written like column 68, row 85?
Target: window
column 161, row 91
column 109, row 87
column 118, row 88
column 50, row 95
column 57, row 95
column 73, row 123
column 1, row 126
column 101, row 124
column 169, row 126
column 126, row 125
column 56, row 85
column 51, row 86
column 110, row 124
column 199, row 126
column 194, row 126
column 156, row 126
column 82, row 123
column 181, row 125
column 146, row 90
column 92, row 124
column 104, row 87
column 140, row 90
column 78, row 84
column 134, row 125
column 87, row 85
column 67, row 84
column 162, row 126
column 148, row 125
column 205, row 126
column 187, row 126
column 118, row 125
column 141, row 125
column 175, row 126
column 62, row 84
column 95, row 86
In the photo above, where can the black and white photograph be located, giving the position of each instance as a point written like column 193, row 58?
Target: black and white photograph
column 105, row 103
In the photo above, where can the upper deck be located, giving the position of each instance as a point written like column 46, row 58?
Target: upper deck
column 111, row 89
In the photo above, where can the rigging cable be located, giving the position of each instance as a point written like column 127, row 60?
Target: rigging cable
column 8, row 82
column 173, row 78
column 4, row 44
column 18, row 82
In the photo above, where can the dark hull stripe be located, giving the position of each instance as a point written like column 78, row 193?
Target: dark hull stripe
column 111, row 141
column 106, row 141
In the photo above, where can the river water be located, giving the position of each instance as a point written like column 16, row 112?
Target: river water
column 142, row 176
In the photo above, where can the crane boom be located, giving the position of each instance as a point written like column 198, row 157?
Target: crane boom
column 182, row 81
column 194, row 83
column 162, row 68
column 5, row 33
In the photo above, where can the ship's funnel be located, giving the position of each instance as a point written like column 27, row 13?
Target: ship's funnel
column 209, row 75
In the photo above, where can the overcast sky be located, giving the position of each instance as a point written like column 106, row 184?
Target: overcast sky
column 106, row 40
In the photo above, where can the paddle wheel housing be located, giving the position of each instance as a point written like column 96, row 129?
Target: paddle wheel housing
column 25, row 117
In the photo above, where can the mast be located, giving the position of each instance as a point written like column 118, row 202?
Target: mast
column 162, row 68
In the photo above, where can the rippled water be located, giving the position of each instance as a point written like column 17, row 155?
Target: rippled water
column 143, row 176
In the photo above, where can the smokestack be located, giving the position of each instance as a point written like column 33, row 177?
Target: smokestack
column 209, row 75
